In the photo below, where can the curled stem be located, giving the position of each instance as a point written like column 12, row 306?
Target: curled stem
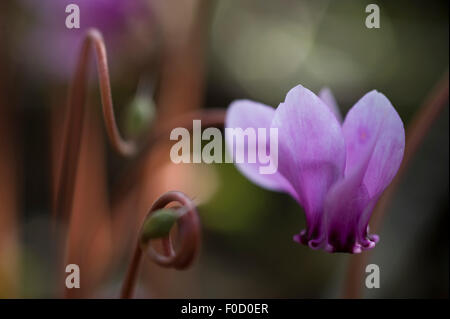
column 75, row 116
column 181, row 258
column 74, row 121
column 415, row 134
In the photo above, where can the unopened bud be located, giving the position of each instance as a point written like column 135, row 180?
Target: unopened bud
column 159, row 224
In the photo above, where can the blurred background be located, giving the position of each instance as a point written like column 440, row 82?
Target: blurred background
column 169, row 57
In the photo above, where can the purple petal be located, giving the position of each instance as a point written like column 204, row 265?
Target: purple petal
column 248, row 114
column 311, row 151
column 346, row 205
column 328, row 98
column 375, row 141
column 373, row 128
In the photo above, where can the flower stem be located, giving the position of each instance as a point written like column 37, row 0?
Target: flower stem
column 415, row 135
column 73, row 128
column 75, row 116
column 74, row 121
column 132, row 273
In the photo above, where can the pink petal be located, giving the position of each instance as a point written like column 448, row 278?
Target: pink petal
column 373, row 129
column 311, row 151
column 375, row 141
column 346, row 207
column 248, row 114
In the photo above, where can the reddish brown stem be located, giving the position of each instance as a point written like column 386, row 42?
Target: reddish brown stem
column 74, row 121
column 132, row 273
column 65, row 180
column 73, row 128
column 415, row 134
column 189, row 229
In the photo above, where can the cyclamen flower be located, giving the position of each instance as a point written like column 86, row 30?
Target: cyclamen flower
column 335, row 171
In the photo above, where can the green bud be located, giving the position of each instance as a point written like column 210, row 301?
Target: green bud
column 159, row 224
column 139, row 115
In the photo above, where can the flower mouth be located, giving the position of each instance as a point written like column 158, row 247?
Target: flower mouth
column 334, row 244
